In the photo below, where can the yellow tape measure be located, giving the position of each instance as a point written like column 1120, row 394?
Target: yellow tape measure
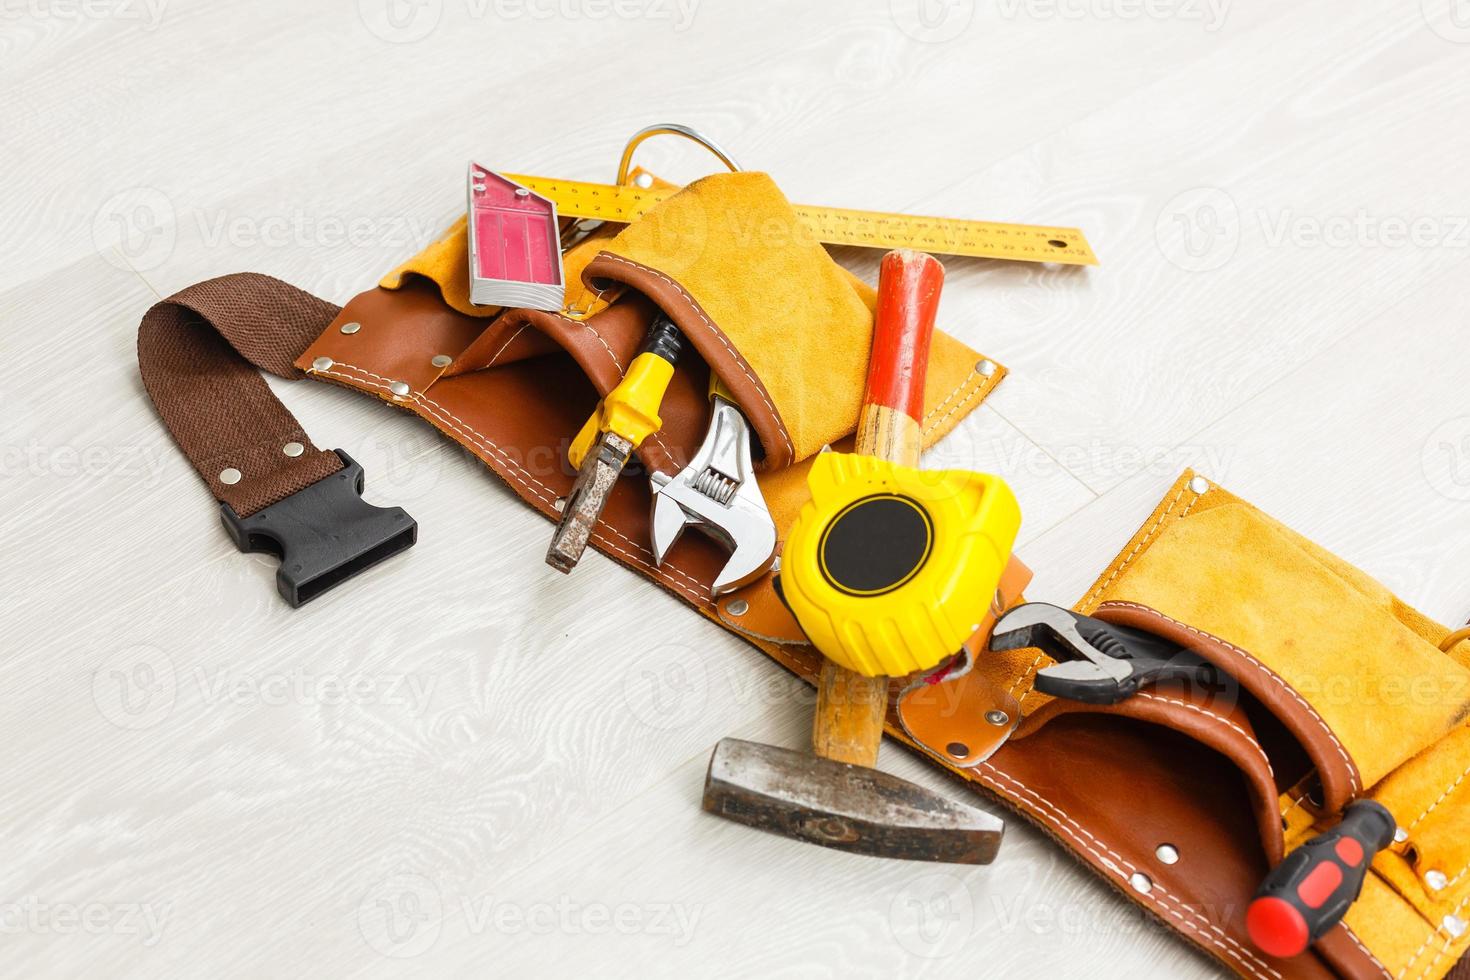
column 842, row 226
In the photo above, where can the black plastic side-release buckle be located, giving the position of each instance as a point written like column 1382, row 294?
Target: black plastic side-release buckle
column 323, row 534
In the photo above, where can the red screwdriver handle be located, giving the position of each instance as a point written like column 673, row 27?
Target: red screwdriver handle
column 1308, row 893
column 909, row 284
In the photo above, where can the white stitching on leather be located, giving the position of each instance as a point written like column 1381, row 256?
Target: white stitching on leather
column 1220, row 718
column 1029, row 675
column 980, row 388
column 1425, row 945
column 714, row 332
column 1366, row 951
column 547, row 493
column 1353, row 779
column 496, row 356
column 1123, row 869
column 1138, row 547
column 598, row 337
column 1442, row 797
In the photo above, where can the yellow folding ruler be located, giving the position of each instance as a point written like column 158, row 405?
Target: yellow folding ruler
column 842, row 226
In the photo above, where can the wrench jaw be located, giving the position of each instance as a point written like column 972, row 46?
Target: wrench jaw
column 717, row 493
column 669, row 519
column 743, row 526
column 754, row 551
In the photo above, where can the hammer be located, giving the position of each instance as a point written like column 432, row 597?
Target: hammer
column 858, row 568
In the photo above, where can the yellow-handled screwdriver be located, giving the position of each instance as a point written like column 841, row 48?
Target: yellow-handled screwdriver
column 626, row 417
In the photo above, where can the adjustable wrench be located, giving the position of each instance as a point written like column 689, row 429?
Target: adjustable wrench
column 717, row 494
column 1098, row 662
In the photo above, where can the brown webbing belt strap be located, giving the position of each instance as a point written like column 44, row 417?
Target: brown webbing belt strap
column 195, row 353
column 193, row 350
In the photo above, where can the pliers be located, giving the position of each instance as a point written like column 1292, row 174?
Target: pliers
column 1098, row 662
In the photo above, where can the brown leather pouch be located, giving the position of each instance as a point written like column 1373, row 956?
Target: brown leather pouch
column 1184, row 797
column 785, row 327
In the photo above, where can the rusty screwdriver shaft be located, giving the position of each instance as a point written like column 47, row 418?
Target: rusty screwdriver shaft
column 627, row 416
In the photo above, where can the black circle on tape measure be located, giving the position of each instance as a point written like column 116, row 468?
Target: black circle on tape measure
column 875, row 545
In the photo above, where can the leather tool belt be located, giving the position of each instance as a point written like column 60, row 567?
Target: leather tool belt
column 1340, row 691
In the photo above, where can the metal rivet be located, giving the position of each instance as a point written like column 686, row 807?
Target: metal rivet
column 644, row 180
column 522, row 192
column 1167, row 854
column 322, row 364
column 1141, row 883
column 1400, row 835
column 480, row 188
column 997, row 717
column 560, row 505
column 1437, row 880
column 1199, row 485
column 442, row 360
column 351, row 328
column 986, row 368
column 738, row 608
column 957, row 749
column 400, row 389
column 293, row 449
column 230, row 476
column 1455, row 926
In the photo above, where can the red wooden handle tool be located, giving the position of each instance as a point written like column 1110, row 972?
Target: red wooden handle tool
column 889, row 425
column 851, row 707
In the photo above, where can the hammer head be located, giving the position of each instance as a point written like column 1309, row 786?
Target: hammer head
column 847, row 807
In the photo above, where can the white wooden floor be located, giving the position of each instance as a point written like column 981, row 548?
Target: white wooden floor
column 466, row 764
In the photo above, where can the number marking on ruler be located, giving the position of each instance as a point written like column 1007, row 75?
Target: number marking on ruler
column 843, row 226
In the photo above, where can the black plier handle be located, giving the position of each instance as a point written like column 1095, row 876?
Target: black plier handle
column 1097, row 662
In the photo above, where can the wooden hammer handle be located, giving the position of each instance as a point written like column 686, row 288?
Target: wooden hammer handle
column 890, row 422
column 852, row 707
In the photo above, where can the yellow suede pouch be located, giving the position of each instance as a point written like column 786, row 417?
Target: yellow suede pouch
column 1369, row 703
column 785, row 326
